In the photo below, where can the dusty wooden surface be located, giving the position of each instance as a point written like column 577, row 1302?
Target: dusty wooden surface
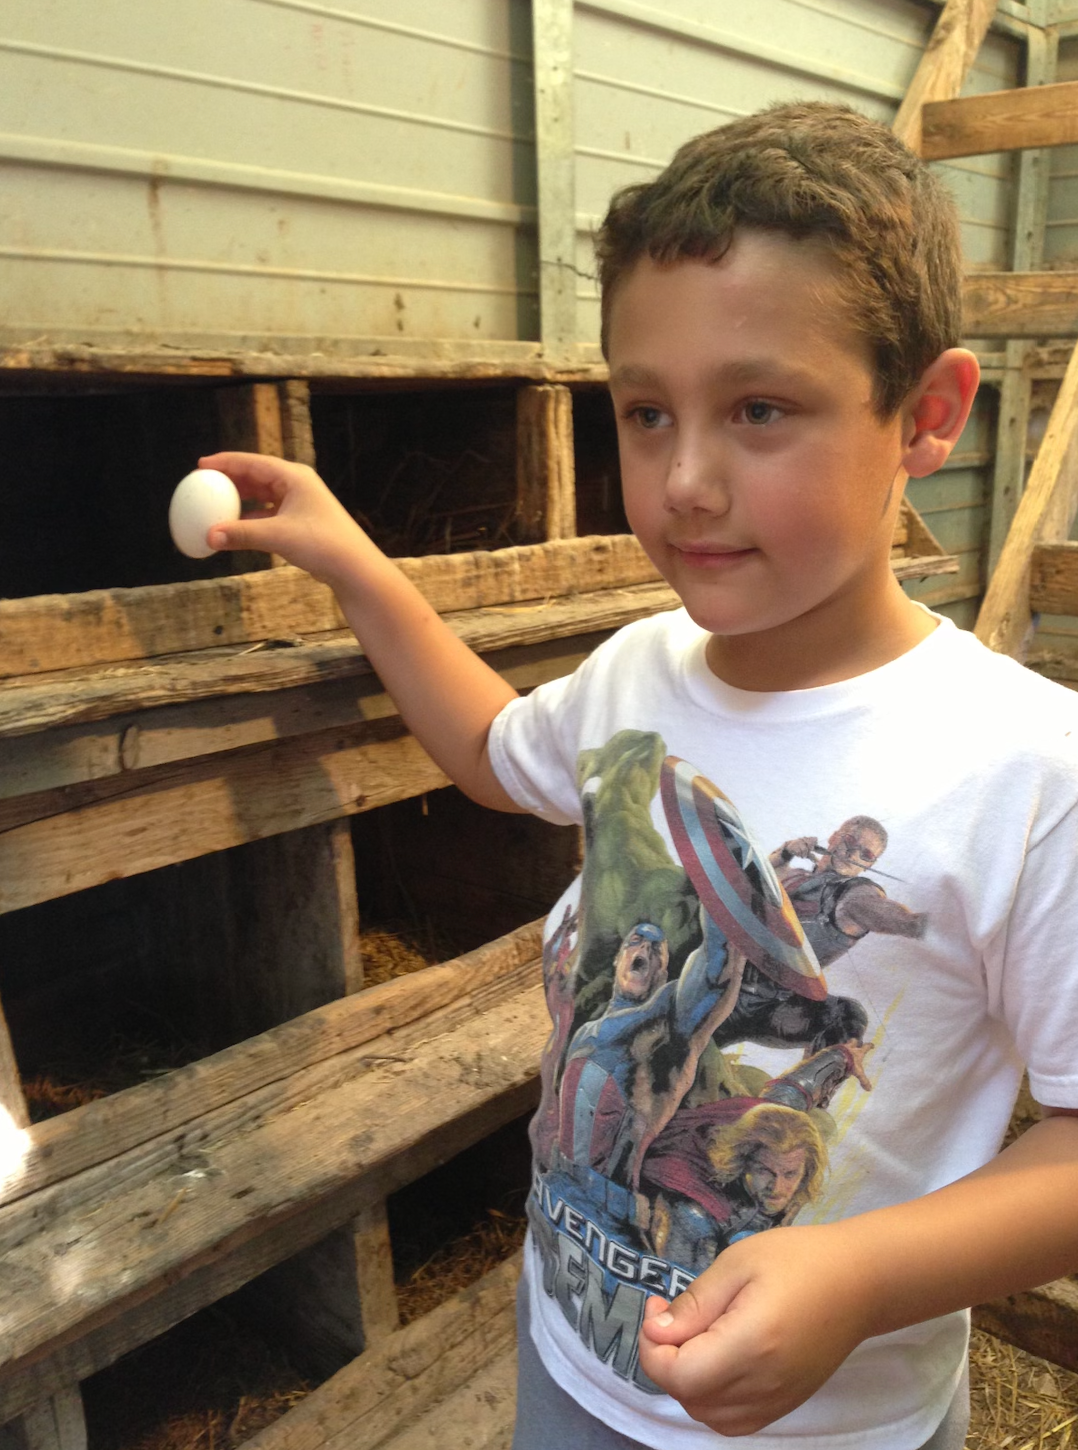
column 1041, row 1321
column 1021, row 304
column 546, row 475
column 427, row 1377
column 64, row 1147
column 361, row 1122
column 1053, row 579
column 950, row 52
column 31, row 703
column 105, row 626
column 1028, row 117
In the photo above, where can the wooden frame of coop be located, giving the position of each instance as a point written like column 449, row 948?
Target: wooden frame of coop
column 175, row 723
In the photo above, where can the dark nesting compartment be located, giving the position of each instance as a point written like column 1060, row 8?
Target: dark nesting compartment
column 109, row 986
column 86, row 486
column 598, row 477
column 425, row 472
column 457, row 874
column 217, row 1378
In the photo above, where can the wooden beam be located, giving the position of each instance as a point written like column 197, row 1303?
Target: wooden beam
column 339, row 1126
column 106, row 626
column 1020, row 304
column 1041, row 1321
column 415, row 1373
column 61, row 1148
column 1053, row 579
column 374, row 359
column 555, row 160
column 1044, row 515
column 45, row 759
column 950, row 52
column 210, row 806
column 546, row 471
column 1001, row 121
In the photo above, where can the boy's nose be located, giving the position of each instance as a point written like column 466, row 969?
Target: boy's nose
column 696, row 479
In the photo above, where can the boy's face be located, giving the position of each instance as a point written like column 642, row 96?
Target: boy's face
column 756, row 474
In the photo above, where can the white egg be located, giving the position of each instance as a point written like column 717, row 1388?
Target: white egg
column 202, row 499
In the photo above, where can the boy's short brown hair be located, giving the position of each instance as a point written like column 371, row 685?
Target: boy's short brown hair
column 811, row 170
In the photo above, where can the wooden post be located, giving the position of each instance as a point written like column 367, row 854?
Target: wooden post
column 251, row 422
column 57, row 1423
column 552, row 43
column 1031, row 210
column 546, row 492
column 1044, row 515
column 948, row 56
column 295, row 412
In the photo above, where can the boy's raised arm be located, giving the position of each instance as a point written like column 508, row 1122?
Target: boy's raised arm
column 446, row 694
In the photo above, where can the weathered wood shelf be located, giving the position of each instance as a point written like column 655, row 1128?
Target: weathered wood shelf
column 279, row 1139
column 447, row 1380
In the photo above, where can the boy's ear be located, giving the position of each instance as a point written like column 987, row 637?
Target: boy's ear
column 936, row 410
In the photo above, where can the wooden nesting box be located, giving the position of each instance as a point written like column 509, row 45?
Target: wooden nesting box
column 202, row 781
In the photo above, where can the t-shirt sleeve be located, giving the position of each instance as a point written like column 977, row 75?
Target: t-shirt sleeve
column 1036, row 959
column 533, row 746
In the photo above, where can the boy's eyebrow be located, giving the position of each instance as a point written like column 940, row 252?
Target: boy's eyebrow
column 743, row 372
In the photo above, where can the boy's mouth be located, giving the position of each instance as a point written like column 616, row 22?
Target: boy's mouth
column 711, row 556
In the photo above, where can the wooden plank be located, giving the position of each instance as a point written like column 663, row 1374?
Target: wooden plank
column 62, row 1147
column 104, row 1344
column 925, row 566
column 372, row 1249
column 1044, row 515
column 104, row 626
column 210, row 806
column 1053, row 579
column 53, row 758
column 1020, row 304
column 1001, row 121
column 331, row 1130
column 374, row 359
column 409, row 1374
column 31, row 703
column 950, row 52
column 297, row 434
column 252, row 422
column 546, row 471
column 1041, row 1321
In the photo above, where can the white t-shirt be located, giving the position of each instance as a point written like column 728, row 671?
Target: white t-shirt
column 923, row 821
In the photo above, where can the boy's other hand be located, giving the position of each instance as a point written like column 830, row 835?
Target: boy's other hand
column 760, row 1330
column 300, row 520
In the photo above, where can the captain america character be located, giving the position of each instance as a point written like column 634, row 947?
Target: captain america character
column 627, row 1070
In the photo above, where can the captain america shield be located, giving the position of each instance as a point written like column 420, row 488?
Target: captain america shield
column 735, row 880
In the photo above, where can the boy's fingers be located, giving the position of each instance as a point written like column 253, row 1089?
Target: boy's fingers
column 256, row 475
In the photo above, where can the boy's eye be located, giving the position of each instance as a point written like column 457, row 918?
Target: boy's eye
column 649, row 417
column 757, row 411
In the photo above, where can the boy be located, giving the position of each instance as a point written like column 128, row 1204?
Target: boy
column 780, row 319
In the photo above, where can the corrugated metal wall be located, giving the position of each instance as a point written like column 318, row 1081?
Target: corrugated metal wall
column 255, row 172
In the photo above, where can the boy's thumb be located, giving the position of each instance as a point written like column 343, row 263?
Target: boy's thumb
column 240, row 535
column 678, row 1321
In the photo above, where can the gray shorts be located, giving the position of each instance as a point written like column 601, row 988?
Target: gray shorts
column 550, row 1419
